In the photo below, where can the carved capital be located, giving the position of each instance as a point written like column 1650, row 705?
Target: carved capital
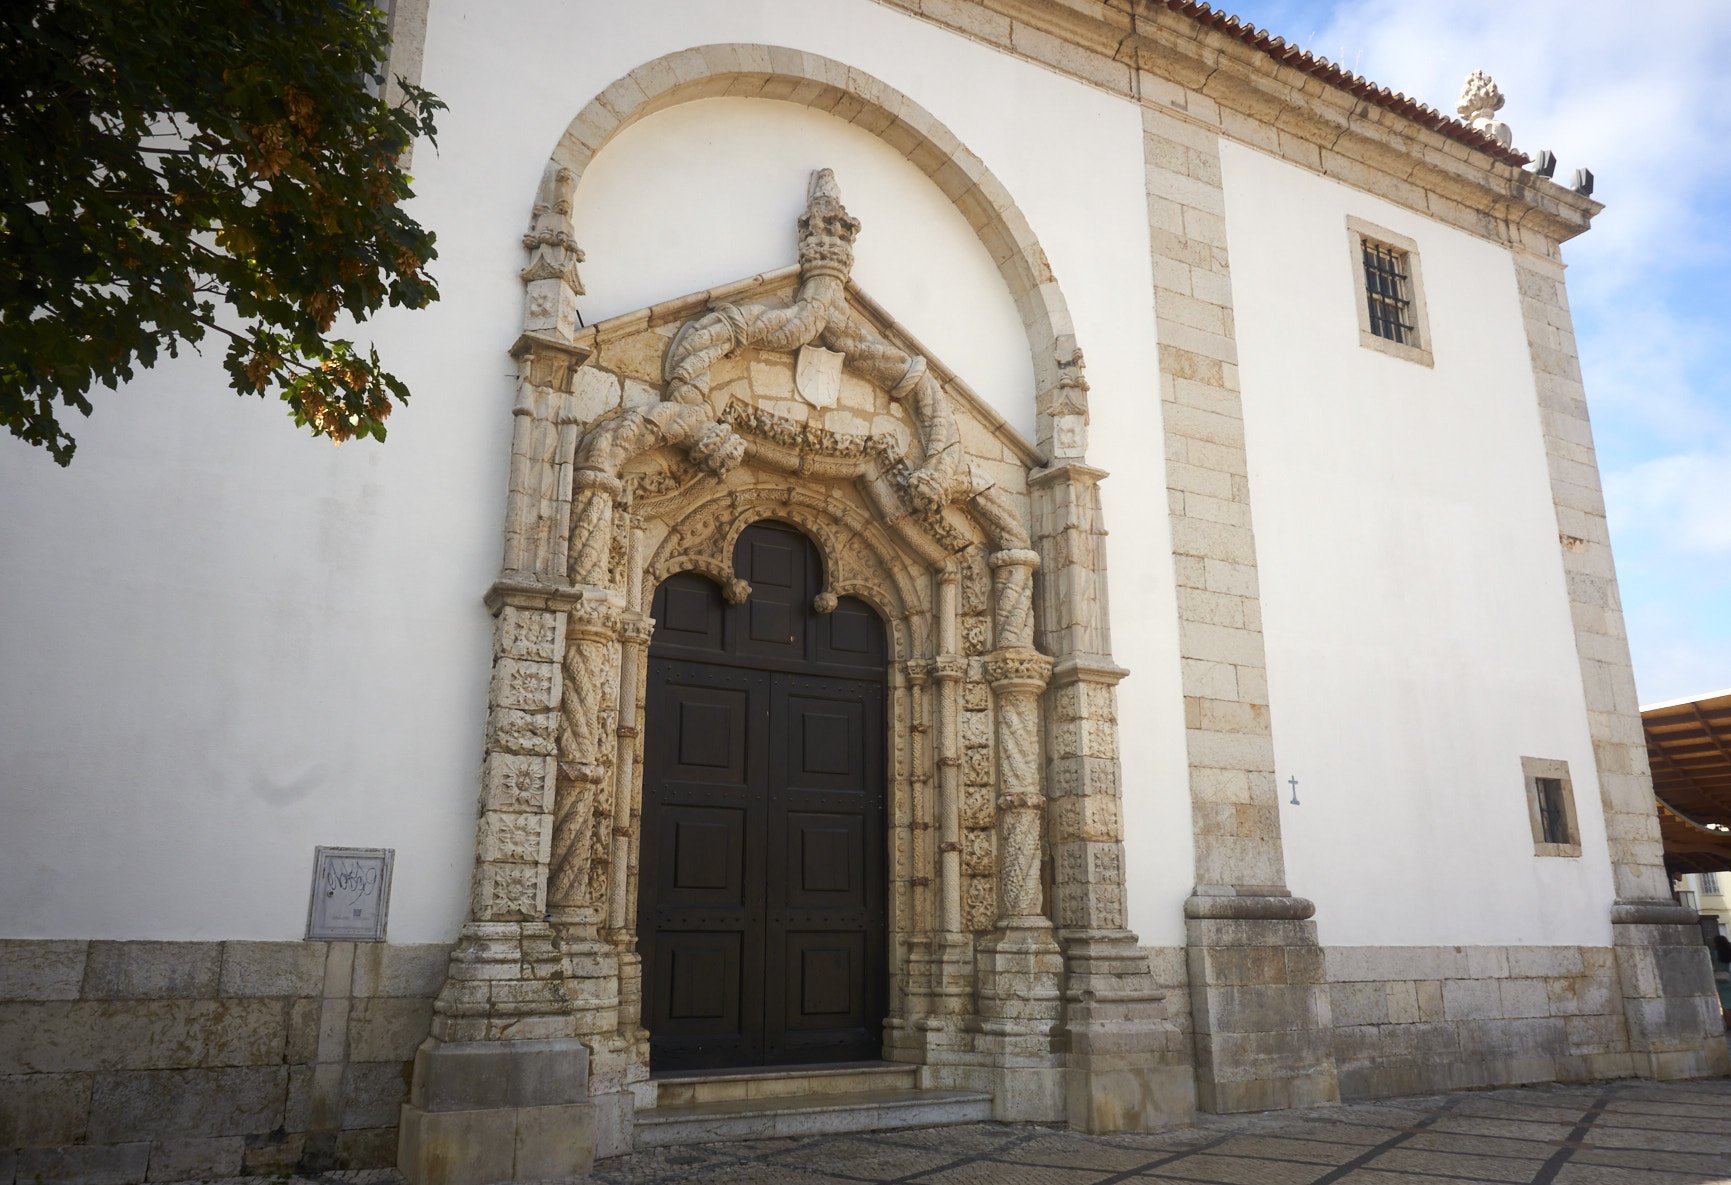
column 1017, row 670
column 548, row 362
column 1015, row 557
column 1021, row 802
column 594, row 620
column 949, row 668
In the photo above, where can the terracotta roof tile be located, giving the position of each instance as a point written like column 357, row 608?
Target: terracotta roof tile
column 1357, row 85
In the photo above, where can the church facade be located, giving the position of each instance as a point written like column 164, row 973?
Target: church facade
column 1052, row 568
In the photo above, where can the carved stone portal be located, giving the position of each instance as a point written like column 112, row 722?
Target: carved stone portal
column 644, row 446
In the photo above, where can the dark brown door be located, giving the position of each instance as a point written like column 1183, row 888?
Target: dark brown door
column 761, row 897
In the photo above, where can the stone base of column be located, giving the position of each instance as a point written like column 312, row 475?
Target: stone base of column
column 500, row 1090
column 591, row 982
column 1019, row 970
column 618, row 1069
column 1672, row 1009
column 482, row 1112
column 1259, row 1003
column 505, row 982
column 1129, row 1068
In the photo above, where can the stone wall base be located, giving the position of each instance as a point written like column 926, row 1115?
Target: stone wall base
column 1260, row 1010
column 497, row 1144
column 171, row 1061
column 1669, row 1002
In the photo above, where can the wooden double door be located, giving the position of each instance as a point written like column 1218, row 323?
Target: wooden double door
column 762, row 886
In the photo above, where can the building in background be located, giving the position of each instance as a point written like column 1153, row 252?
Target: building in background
column 1012, row 514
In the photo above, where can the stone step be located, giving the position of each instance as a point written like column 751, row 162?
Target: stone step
column 783, row 1082
column 823, row 1114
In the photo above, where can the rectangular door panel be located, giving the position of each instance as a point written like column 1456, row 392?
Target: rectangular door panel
column 698, row 1015
column 825, row 909
column 825, row 1007
column 826, row 857
column 701, row 864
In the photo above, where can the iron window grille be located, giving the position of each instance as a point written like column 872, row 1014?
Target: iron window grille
column 1710, row 883
column 1388, row 293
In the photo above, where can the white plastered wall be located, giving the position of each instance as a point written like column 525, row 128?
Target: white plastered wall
column 1418, row 631
column 226, row 643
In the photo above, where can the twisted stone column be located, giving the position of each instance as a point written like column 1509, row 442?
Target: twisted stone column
column 1018, row 677
column 587, row 741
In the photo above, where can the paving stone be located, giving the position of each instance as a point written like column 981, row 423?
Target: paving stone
column 1273, row 1148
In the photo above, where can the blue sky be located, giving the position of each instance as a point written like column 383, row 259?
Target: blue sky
column 1642, row 97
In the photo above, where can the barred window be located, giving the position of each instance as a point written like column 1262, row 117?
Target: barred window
column 1388, row 287
column 1710, row 883
column 1388, row 293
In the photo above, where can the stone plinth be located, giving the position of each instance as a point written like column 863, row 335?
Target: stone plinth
column 1259, row 1003
column 493, row 1111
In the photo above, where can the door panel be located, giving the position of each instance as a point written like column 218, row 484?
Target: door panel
column 701, row 918
column 762, row 890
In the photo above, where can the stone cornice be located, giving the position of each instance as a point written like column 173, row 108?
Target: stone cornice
column 1144, row 51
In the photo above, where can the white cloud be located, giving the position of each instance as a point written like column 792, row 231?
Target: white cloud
column 1675, row 504
column 1640, row 97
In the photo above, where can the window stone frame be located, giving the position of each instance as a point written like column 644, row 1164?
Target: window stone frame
column 1358, row 232
column 1532, row 769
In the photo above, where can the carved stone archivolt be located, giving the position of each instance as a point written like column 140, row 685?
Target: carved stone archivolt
column 645, row 446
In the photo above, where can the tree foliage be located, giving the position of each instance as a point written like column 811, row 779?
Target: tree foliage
column 173, row 169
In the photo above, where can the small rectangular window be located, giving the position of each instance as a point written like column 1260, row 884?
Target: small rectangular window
column 1552, row 821
column 1388, row 297
column 1551, row 807
column 1710, row 883
column 1389, row 292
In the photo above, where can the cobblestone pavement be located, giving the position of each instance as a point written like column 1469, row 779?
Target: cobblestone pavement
column 1621, row 1133
column 1645, row 1132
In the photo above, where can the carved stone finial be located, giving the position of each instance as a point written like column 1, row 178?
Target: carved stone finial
column 1070, row 408
column 1479, row 103
column 826, row 230
column 552, row 285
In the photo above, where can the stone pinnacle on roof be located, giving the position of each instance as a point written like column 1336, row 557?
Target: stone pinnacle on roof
column 1479, row 103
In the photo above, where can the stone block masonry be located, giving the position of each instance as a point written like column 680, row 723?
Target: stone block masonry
column 1414, row 1019
column 123, row 1062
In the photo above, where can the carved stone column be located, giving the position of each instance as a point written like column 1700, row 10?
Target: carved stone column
column 503, row 1016
column 952, row 971
column 587, row 741
column 1020, row 965
column 1129, row 1067
column 500, row 1089
column 634, row 633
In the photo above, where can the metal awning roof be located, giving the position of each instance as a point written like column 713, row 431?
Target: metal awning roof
column 1689, row 748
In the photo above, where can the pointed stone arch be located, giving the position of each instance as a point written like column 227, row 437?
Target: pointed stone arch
column 787, row 75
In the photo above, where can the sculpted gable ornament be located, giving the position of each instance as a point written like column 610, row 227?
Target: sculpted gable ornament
column 1479, row 103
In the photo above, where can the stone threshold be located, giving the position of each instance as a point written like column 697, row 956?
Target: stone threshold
column 822, row 1114
column 683, row 1087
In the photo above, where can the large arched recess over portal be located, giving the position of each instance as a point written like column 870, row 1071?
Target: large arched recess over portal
column 848, row 93
column 763, row 894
